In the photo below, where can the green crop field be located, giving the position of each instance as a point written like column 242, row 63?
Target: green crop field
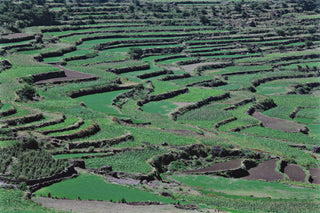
column 130, row 161
column 155, row 88
column 247, row 187
column 13, row 201
column 89, row 186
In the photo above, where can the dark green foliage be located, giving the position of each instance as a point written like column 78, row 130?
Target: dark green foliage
column 15, row 16
column 204, row 20
column 23, row 186
column 27, row 164
column 29, row 143
column 135, row 53
column 27, row 93
column 308, row 5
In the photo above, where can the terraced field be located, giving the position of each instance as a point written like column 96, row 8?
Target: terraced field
column 171, row 99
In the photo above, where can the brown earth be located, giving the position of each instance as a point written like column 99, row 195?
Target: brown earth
column 228, row 165
column 85, row 206
column 315, row 174
column 191, row 67
column 265, row 171
column 277, row 123
column 183, row 104
column 123, row 180
column 70, row 75
column 16, row 35
column 295, row 173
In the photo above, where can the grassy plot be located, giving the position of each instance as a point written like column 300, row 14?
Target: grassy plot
column 282, row 86
column 287, row 103
column 94, row 187
column 281, row 135
column 236, row 204
column 270, row 89
column 314, row 131
column 67, row 122
column 13, row 201
column 128, row 161
column 108, row 130
column 309, row 113
column 206, row 116
column 102, row 102
column 76, row 155
column 196, row 94
column 86, row 124
column 191, row 80
column 7, row 143
column 158, row 137
column 162, row 87
column 270, row 146
column 161, row 107
column 247, row 187
column 5, row 107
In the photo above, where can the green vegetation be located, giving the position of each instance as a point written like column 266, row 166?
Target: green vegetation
column 27, row 162
column 248, row 188
column 13, row 200
column 153, row 88
column 129, row 161
column 89, row 186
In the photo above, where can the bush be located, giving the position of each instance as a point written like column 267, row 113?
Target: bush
column 23, row 186
column 135, row 53
column 29, row 143
column 27, row 93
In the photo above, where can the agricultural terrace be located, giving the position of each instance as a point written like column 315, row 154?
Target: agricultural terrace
column 202, row 105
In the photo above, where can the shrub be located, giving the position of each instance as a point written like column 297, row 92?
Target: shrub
column 29, row 143
column 135, row 53
column 27, row 93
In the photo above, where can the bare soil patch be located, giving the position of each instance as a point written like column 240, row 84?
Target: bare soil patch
column 191, row 67
column 278, row 124
column 85, row 206
column 70, row 75
column 315, row 174
column 182, row 104
column 295, row 173
column 228, row 165
column 16, row 35
column 123, row 180
column 265, row 171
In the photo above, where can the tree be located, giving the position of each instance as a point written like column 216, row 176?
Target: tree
column 204, row 20
column 135, row 53
column 15, row 16
column 27, row 93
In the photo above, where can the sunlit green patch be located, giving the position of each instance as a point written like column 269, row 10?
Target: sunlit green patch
column 161, row 107
column 248, row 188
column 93, row 187
column 101, row 102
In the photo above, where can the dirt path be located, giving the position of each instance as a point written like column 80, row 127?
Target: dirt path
column 85, row 206
column 70, row 75
column 278, row 124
